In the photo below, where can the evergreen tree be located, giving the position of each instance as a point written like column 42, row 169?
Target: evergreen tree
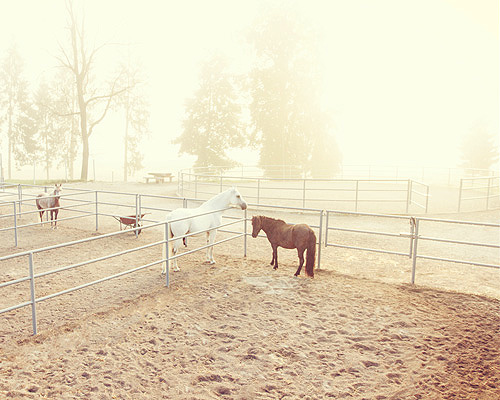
column 289, row 124
column 13, row 96
column 49, row 136
column 212, row 124
column 479, row 151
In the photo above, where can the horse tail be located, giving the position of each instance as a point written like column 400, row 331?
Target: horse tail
column 311, row 254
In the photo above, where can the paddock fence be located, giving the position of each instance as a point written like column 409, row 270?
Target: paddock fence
column 395, row 235
column 481, row 188
column 392, row 189
column 406, row 235
column 398, row 195
column 165, row 259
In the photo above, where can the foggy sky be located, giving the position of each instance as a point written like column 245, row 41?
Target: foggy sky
column 405, row 80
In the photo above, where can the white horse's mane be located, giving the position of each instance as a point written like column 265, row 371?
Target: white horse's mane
column 219, row 196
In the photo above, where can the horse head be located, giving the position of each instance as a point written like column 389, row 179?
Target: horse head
column 57, row 190
column 256, row 225
column 237, row 199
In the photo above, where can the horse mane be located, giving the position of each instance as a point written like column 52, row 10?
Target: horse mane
column 272, row 219
column 216, row 197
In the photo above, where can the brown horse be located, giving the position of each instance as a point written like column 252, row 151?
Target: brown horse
column 279, row 233
column 50, row 203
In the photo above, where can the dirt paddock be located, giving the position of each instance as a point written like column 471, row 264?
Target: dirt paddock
column 239, row 330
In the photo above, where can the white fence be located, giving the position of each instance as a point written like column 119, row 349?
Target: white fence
column 412, row 238
column 481, row 188
column 399, row 195
column 32, row 276
column 408, row 241
column 356, row 188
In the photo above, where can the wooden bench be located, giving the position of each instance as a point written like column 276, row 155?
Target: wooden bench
column 159, row 177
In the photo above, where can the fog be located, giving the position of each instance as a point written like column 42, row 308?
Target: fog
column 403, row 81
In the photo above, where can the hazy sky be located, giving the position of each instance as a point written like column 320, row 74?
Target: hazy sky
column 405, row 79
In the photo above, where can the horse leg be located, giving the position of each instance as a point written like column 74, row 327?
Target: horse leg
column 41, row 217
column 175, row 248
column 210, row 250
column 275, row 256
column 55, row 218
column 301, row 261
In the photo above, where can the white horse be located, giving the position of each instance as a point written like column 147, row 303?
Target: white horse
column 201, row 222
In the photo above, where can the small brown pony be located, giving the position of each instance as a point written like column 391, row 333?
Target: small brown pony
column 279, row 233
column 50, row 203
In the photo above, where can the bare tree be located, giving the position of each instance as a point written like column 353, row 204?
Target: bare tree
column 93, row 103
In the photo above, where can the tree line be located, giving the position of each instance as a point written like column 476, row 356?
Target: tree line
column 274, row 108
column 51, row 123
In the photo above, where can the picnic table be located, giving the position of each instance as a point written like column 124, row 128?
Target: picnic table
column 159, row 177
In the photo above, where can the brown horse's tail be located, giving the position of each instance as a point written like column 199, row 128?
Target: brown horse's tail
column 311, row 254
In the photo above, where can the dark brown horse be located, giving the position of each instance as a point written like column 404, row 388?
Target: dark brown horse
column 50, row 203
column 279, row 233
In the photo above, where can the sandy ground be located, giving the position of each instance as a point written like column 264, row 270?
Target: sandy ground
column 239, row 330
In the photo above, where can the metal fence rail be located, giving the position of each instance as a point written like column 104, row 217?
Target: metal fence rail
column 414, row 236
column 164, row 259
column 303, row 192
column 409, row 239
column 481, row 188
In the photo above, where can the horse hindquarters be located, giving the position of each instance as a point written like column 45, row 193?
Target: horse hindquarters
column 40, row 211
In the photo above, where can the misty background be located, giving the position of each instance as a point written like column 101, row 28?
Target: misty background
column 358, row 82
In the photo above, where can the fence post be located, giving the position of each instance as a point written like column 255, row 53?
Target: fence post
column 326, row 228
column 487, row 195
column 179, row 183
column 408, row 195
column 427, row 199
column 415, row 243
column 136, row 224
column 167, row 256
column 320, row 237
column 32, row 291
column 96, row 212
column 245, row 240
column 357, row 190
column 412, row 232
column 15, row 223
column 19, row 196
column 258, row 190
column 304, row 194
column 460, row 193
